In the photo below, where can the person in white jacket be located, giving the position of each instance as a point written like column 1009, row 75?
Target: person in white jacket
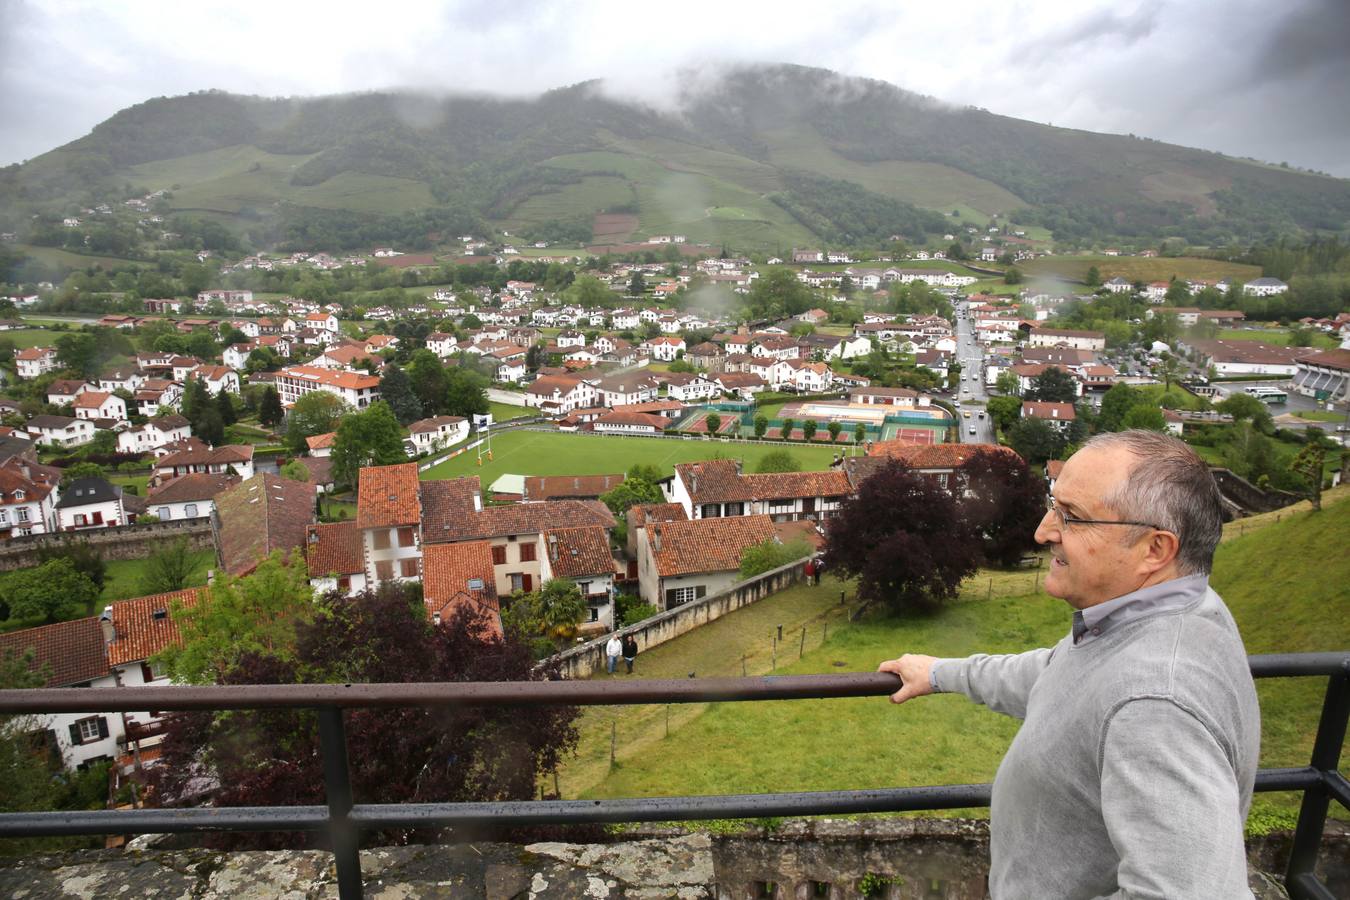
column 613, row 650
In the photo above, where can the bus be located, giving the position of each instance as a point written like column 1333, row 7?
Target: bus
column 1267, row 394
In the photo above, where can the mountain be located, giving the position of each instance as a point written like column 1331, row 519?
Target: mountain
column 764, row 157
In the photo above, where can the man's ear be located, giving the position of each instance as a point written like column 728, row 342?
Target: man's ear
column 1161, row 550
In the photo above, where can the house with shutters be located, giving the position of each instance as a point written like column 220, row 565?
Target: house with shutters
column 335, row 558
column 28, row 494
column 682, row 561
column 65, row 390
column 716, row 488
column 236, row 459
column 216, row 378
column 558, row 395
column 95, row 405
column 389, row 514
column 158, row 432
column 357, row 390
column 30, row 362
column 190, row 497
column 1059, row 416
column 582, row 556
column 60, row 431
column 90, row 503
column 438, row 432
column 458, row 580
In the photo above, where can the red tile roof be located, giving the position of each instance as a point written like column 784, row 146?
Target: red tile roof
column 1051, row 412
column 786, row 485
column 334, row 549
column 536, row 518
column 578, row 552
column 932, row 456
column 556, row 487
column 143, row 626
column 388, row 495
column 456, row 575
column 714, row 481
column 258, row 516
column 70, row 652
column 193, row 486
column 319, row 441
column 705, row 545
column 449, row 508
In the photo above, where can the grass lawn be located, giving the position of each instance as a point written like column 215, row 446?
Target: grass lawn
column 1320, row 415
column 503, row 411
column 31, row 337
column 1137, row 268
column 56, row 256
column 1276, row 337
column 1264, row 570
column 125, row 576
column 553, row 453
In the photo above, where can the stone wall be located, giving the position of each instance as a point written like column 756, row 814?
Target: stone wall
column 586, row 659
column 895, row 859
column 123, row 542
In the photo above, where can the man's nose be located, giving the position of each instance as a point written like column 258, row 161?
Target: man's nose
column 1048, row 525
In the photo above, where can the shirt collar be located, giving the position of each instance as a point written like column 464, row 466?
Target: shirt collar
column 1153, row 600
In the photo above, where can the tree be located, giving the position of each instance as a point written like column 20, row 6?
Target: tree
column 859, row 433
column 396, row 390
column 270, row 412
column 81, row 470
column 295, row 470
column 225, row 407
column 902, row 537
column 170, row 569
column 777, row 294
column 1093, row 278
column 1003, row 502
column 788, row 425
column 1308, row 466
column 712, row 422
column 317, row 412
column 1035, row 440
column 1005, row 411
column 1169, row 369
column 1244, row 406
column 83, row 557
column 1143, row 415
column 80, row 352
column 769, row 554
column 809, row 429
column 1116, row 402
column 761, row 425
column 545, row 620
column 1012, row 275
column 778, row 461
column 53, row 591
column 630, row 492
column 1054, row 385
column 270, row 757
column 465, row 393
column 637, row 285
column 257, row 614
column 1007, row 383
column 368, row 438
column 630, row 610
column 834, row 428
column 428, row 377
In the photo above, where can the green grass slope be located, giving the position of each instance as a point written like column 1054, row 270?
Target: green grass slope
column 1286, row 584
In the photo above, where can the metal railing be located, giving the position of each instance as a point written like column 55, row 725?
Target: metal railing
column 343, row 820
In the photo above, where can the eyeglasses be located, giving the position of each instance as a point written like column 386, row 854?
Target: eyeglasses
column 1066, row 521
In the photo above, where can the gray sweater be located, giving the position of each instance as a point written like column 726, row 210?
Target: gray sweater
column 1132, row 773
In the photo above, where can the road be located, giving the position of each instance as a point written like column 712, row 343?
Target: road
column 971, row 392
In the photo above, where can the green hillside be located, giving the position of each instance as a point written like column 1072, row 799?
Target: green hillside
column 1285, row 583
column 769, row 156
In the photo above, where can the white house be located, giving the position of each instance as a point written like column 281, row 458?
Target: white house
column 90, row 503
column 65, row 390
column 1067, row 337
column 1264, row 287
column 335, row 559
column 438, row 432
column 61, row 431
column 216, row 378
column 189, row 497
column 1119, row 285
column 665, row 349
column 100, row 405
column 559, row 394
column 356, row 389
column 689, row 388
column 27, row 500
column 153, row 434
column 31, row 362
column 442, row 344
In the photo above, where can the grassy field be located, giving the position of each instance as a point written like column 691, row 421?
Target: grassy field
column 31, row 337
column 503, row 411
column 1137, row 268
column 126, row 576
column 583, row 199
column 1264, row 571
column 55, row 256
column 231, row 179
column 548, row 453
column 1276, row 337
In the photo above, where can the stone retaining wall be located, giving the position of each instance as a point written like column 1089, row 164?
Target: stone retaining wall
column 123, row 542
column 587, row 659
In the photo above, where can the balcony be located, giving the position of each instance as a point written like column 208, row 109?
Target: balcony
column 342, row 821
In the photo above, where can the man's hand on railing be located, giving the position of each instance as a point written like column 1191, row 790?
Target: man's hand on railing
column 913, row 670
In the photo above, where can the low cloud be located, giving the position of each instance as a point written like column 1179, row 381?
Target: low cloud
column 1240, row 76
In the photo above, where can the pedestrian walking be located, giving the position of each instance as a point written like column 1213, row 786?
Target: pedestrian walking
column 816, row 570
column 630, row 651
column 809, row 570
column 612, row 650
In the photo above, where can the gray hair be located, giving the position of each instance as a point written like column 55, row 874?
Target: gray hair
column 1170, row 486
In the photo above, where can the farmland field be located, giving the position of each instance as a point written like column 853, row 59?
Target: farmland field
column 553, row 453
column 1137, row 268
column 55, row 256
column 1276, row 336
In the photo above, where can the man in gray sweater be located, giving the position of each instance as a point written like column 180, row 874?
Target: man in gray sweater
column 1132, row 773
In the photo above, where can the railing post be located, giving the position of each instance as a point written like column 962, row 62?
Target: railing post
column 1299, row 878
column 338, row 789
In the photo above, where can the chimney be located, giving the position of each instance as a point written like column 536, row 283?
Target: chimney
column 654, row 532
column 105, row 622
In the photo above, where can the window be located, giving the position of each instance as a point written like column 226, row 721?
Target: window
column 344, row 583
column 190, row 511
column 499, row 556
column 381, row 538
column 384, row 569
column 23, row 513
column 408, row 568
column 735, row 509
column 527, row 552
column 407, row 536
column 80, row 519
column 517, row 581
column 163, row 513
column 87, row 730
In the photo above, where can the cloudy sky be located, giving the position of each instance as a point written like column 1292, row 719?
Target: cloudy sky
column 1261, row 79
